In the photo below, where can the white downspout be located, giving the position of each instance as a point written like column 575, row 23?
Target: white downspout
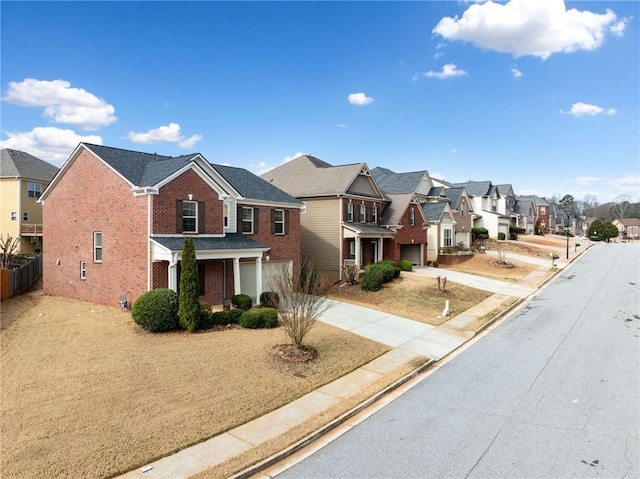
column 173, row 272
column 357, row 252
column 149, row 261
column 236, row 276
column 258, row 278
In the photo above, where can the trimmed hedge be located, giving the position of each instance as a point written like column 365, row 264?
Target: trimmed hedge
column 501, row 236
column 156, row 310
column 480, row 233
column 259, row 318
column 242, row 301
column 405, row 265
column 270, row 299
column 223, row 318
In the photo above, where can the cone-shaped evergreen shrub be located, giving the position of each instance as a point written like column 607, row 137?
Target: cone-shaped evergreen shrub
column 189, row 309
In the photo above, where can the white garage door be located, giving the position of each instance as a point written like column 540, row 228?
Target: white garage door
column 248, row 276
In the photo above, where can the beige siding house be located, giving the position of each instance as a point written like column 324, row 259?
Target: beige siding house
column 340, row 220
column 23, row 178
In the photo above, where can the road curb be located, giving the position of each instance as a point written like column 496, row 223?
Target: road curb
column 274, row 459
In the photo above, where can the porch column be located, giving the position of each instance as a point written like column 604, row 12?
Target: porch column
column 358, row 251
column 236, row 276
column 258, row 278
column 172, row 271
column 380, row 255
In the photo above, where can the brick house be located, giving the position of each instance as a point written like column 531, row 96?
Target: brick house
column 117, row 220
column 23, row 178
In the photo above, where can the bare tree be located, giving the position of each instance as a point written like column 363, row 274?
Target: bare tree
column 303, row 298
column 8, row 249
column 590, row 205
column 621, row 206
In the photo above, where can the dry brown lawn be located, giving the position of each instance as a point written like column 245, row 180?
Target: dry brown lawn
column 486, row 265
column 415, row 297
column 87, row 393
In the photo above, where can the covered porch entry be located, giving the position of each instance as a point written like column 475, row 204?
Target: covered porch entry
column 364, row 244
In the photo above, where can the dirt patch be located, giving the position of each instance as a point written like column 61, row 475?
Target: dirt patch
column 487, row 265
column 87, row 393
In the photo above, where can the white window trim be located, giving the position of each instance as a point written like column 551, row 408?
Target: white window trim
column 349, row 212
column 450, row 237
column 195, row 217
column 25, row 216
column 363, row 213
column 83, row 270
column 374, row 214
column 279, row 222
column 37, row 190
column 14, row 216
column 412, row 217
column 97, row 247
column 243, row 221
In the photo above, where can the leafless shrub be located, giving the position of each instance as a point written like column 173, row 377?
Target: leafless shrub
column 303, row 298
column 8, row 249
column 350, row 273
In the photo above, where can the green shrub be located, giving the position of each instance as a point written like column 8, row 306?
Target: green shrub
column 480, row 233
column 156, row 310
column 513, row 236
column 242, row 301
column 501, row 236
column 205, row 316
column 233, row 315
column 220, row 318
column 387, row 268
column 189, row 301
column 405, row 265
column 372, row 279
column 270, row 299
column 259, row 318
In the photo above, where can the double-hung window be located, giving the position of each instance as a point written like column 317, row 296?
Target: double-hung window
column 34, row 190
column 447, row 238
column 83, row 270
column 350, row 212
column 189, row 217
column 363, row 213
column 412, row 218
column 25, row 216
column 278, row 222
column 97, row 246
column 374, row 214
column 247, row 220
column 14, row 216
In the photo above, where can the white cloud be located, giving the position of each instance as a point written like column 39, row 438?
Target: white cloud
column 48, row 143
column 453, row 150
column 581, row 109
column 530, row 27
column 585, row 180
column 341, row 125
column 438, row 55
column 450, row 70
column 516, row 73
column 170, row 133
column 359, row 99
column 618, row 28
column 62, row 103
column 190, row 142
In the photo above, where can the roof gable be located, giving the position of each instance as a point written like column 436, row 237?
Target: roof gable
column 16, row 163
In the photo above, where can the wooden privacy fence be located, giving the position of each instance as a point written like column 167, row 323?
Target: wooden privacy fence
column 21, row 276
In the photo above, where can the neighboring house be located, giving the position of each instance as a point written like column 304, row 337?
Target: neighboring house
column 340, row 222
column 526, row 211
column 543, row 215
column 629, row 228
column 441, row 228
column 485, row 199
column 23, row 178
column 507, row 203
column 116, row 222
column 405, row 216
column 427, row 190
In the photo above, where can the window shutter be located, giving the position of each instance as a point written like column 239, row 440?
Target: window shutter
column 286, row 222
column 346, row 212
column 200, row 216
column 273, row 221
column 255, row 220
column 179, row 216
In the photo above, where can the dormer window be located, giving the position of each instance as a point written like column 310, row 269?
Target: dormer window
column 412, row 218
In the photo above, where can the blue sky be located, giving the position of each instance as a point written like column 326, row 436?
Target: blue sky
column 542, row 94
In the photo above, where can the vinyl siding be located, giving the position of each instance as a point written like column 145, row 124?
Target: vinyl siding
column 9, row 203
column 320, row 233
column 363, row 186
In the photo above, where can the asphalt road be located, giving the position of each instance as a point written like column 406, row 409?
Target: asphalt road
column 553, row 392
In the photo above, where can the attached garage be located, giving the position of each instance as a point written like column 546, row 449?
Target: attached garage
column 412, row 253
column 248, row 276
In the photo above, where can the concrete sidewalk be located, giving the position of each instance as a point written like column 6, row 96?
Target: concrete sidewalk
column 409, row 340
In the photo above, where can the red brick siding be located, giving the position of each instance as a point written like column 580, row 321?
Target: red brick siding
column 91, row 197
column 356, row 210
column 283, row 247
column 408, row 234
column 164, row 204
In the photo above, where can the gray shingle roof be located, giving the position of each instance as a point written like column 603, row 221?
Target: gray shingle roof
column 252, row 186
column 433, row 211
column 476, row 188
column 231, row 241
column 397, row 183
column 307, row 176
column 148, row 169
column 15, row 163
column 393, row 212
column 506, row 189
column 454, row 194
